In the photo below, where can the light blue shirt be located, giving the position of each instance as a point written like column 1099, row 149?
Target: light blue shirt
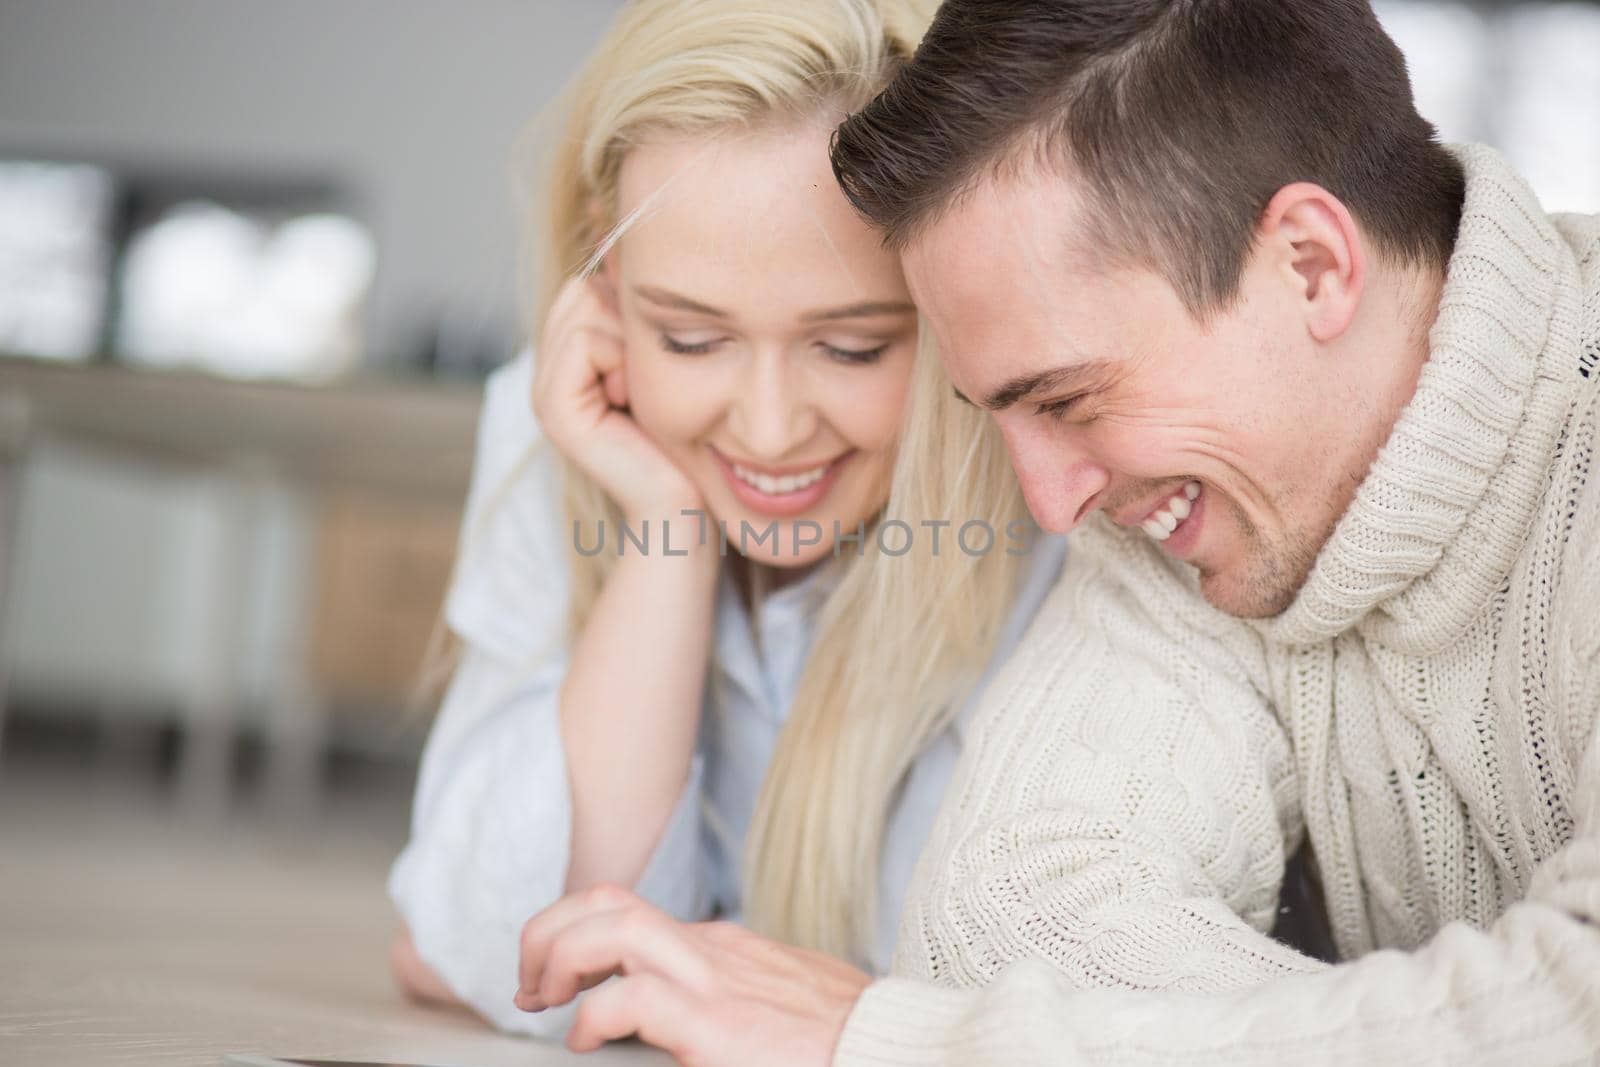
column 491, row 822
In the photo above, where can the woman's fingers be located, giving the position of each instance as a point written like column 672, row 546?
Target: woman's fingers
column 581, row 401
column 582, row 343
column 601, row 286
column 556, row 324
column 580, row 350
column 615, row 384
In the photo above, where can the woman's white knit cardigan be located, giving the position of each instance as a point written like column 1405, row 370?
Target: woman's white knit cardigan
column 1098, row 884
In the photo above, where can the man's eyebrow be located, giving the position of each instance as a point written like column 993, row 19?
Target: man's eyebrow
column 677, row 302
column 1052, row 380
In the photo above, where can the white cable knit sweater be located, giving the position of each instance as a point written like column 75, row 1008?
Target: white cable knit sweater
column 1098, row 884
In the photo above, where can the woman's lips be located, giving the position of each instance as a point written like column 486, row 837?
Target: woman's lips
column 780, row 504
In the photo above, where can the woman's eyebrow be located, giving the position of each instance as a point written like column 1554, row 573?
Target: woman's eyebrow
column 666, row 298
column 677, row 302
column 866, row 309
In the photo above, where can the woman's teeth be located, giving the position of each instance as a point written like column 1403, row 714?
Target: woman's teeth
column 1174, row 511
column 789, row 483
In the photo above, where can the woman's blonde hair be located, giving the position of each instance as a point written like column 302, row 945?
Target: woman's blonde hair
column 899, row 639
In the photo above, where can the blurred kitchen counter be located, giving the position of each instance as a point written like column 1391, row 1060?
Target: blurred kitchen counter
column 392, row 435
column 228, row 555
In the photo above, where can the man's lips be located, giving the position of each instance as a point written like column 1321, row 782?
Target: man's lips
column 1139, row 514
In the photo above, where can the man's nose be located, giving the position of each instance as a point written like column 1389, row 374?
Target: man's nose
column 1060, row 479
column 770, row 416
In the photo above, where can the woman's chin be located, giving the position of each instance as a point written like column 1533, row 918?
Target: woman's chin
column 787, row 560
column 783, row 544
column 786, row 542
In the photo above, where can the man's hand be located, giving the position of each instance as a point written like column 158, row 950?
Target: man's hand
column 708, row 993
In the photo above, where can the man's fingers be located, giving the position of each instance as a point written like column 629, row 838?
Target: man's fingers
column 644, row 1004
column 633, row 939
column 539, row 931
column 533, row 1001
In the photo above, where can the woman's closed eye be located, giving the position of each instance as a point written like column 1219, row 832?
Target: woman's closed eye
column 852, row 354
column 690, row 344
column 700, row 342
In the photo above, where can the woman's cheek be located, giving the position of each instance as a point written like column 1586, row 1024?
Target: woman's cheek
column 888, row 417
column 868, row 409
column 870, row 423
column 668, row 402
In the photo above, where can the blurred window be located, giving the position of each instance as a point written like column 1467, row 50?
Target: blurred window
column 245, row 295
column 55, row 254
column 1521, row 77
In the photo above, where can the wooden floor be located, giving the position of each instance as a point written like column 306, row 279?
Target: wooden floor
column 130, row 936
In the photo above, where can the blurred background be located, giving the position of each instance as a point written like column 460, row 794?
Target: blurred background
column 255, row 259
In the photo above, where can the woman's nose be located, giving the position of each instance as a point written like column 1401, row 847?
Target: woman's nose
column 773, row 414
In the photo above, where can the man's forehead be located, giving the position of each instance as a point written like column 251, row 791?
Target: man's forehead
column 1019, row 227
column 987, row 330
column 1009, row 292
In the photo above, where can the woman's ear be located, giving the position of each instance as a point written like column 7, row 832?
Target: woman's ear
column 1321, row 253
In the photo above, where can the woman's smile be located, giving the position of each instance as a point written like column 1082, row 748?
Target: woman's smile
column 780, row 491
column 782, row 393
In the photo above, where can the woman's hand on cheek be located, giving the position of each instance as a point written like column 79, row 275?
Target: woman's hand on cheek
column 580, row 397
column 711, row 994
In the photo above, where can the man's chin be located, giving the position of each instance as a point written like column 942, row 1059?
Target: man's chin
column 1247, row 595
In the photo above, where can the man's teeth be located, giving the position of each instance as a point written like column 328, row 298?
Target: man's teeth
column 789, row 483
column 1163, row 522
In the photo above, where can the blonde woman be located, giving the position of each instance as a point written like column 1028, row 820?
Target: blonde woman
column 726, row 587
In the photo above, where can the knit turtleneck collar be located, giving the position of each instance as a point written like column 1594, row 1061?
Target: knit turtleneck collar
column 1439, row 520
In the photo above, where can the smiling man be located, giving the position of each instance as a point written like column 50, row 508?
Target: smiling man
column 1319, row 396
column 1319, row 400
column 1234, row 429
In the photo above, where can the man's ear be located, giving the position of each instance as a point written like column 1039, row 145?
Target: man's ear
column 1313, row 240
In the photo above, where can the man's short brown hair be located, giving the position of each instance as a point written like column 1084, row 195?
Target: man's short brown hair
column 1183, row 117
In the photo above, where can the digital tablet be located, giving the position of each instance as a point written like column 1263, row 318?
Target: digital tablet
column 249, row 1059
